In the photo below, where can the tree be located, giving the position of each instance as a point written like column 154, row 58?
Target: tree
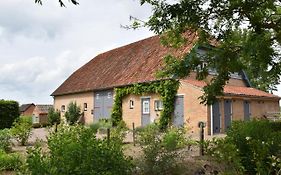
column 75, row 2
column 73, row 113
column 21, row 129
column 9, row 112
column 54, row 117
column 246, row 35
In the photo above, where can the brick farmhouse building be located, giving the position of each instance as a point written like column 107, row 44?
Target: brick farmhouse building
column 92, row 87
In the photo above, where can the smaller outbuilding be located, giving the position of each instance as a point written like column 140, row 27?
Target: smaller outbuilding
column 27, row 109
column 40, row 114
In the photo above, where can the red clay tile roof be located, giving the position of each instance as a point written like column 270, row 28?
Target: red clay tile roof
column 24, row 107
column 133, row 63
column 43, row 109
column 235, row 90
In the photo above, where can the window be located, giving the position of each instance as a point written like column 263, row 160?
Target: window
column 97, row 96
column 158, row 105
column 63, row 108
column 85, row 106
column 109, row 95
column 131, row 104
column 145, row 107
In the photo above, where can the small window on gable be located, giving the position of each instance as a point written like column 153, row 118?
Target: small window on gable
column 63, row 108
column 131, row 104
column 85, row 106
column 158, row 105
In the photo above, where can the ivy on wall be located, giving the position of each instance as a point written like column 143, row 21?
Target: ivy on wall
column 167, row 89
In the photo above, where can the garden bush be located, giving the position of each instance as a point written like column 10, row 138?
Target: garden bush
column 75, row 150
column 9, row 112
column 5, row 140
column 160, row 150
column 257, row 141
column 254, row 145
column 21, row 129
column 54, row 117
column 11, row 161
column 224, row 152
column 73, row 113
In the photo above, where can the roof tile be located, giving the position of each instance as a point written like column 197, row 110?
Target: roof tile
column 133, row 63
column 234, row 90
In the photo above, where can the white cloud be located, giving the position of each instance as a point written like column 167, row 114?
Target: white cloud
column 40, row 46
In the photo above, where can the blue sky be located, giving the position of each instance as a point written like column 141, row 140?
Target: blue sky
column 40, row 46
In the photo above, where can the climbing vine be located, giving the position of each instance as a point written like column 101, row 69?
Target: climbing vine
column 167, row 89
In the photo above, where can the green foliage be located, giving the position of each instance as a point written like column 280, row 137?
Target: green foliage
column 11, row 161
column 73, row 113
column 166, row 88
column 160, row 150
column 53, row 116
column 251, row 146
column 5, row 140
column 247, row 36
column 118, row 133
column 75, row 150
column 174, row 139
column 61, row 2
column 21, row 129
column 226, row 153
column 257, row 141
column 9, row 111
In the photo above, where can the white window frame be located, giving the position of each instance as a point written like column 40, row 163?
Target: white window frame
column 146, row 107
column 62, row 108
column 158, row 105
column 85, row 106
column 131, row 104
column 109, row 95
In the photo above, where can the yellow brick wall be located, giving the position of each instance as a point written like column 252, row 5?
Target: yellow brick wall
column 134, row 115
column 81, row 98
column 194, row 112
column 258, row 108
column 231, row 82
column 237, row 109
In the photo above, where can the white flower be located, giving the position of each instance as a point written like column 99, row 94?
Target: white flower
column 273, row 164
column 248, row 138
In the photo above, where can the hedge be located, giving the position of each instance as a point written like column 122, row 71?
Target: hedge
column 9, row 111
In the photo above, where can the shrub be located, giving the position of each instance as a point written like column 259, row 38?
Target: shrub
column 73, row 113
column 9, row 112
column 257, row 141
column 11, row 161
column 54, row 117
column 21, row 129
column 75, row 150
column 160, row 150
column 253, row 145
column 5, row 140
column 226, row 154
